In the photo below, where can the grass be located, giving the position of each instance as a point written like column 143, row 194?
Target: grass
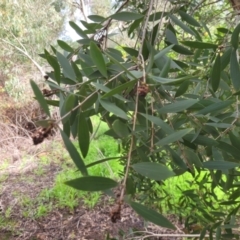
column 63, row 196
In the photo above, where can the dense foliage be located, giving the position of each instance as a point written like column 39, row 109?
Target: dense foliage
column 171, row 100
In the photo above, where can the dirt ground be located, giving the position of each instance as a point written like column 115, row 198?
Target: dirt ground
column 59, row 224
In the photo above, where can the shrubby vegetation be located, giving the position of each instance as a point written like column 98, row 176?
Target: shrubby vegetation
column 171, row 101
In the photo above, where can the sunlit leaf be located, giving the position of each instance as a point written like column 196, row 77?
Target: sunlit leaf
column 92, row 183
column 163, row 52
column 151, row 215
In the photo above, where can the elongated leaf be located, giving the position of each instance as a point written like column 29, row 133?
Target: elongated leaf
column 159, row 122
column 54, row 63
column 111, row 107
column 199, row 45
column 182, row 25
column 182, row 50
column 103, row 160
column 235, row 152
column 225, row 59
column 201, row 140
column 74, row 154
column 126, row 16
column 170, row 81
column 178, row 106
column 235, row 37
column 220, row 165
column 219, row 125
column 151, row 215
column 107, row 90
column 235, row 70
column 124, row 87
column 66, row 66
column 40, row 98
column 92, row 183
column 182, row 88
column 83, row 135
column 189, row 19
column 89, row 102
column 154, row 171
column 216, row 73
column 234, row 139
column 215, row 107
column 177, row 159
column 174, row 137
column 163, row 52
column 65, row 46
column 96, row 18
column 78, row 30
column 120, row 128
column 98, row 59
column 69, row 102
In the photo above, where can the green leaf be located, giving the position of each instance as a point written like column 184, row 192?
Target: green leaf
column 159, row 122
column 126, row 87
column 151, row 215
column 163, row 52
column 170, row 81
column 182, row 25
column 220, row 165
column 192, row 157
column 189, row 19
column 199, row 45
column 53, row 62
column 234, row 139
column 111, row 107
column 235, row 70
column 66, row 66
column 216, row 73
column 126, row 16
column 182, row 50
column 40, row 98
column 98, row 59
column 120, row 128
column 225, row 59
column 96, row 18
column 74, row 154
column 154, row 171
column 219, row 125
column 235, row 37
column 78, row 30
column 215, row 107
column 103, row 160
column 83, row 135
column 178, row 106
column 182, row 88
column 223, row 146
column 177, row 160
column 176, row 136
column 89, row 101
column 92, row 183
column 65, row 46
column 69, row 102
